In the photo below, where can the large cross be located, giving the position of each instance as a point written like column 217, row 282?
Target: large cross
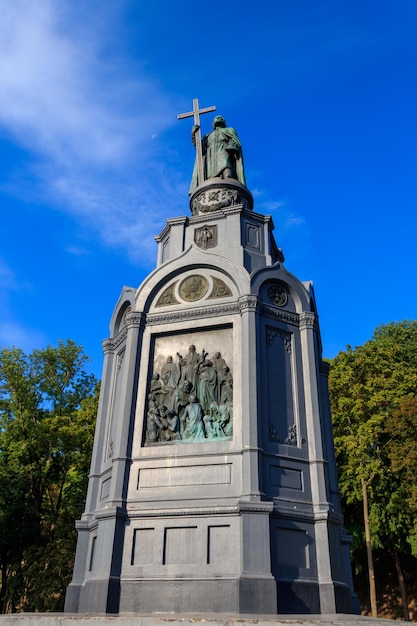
column 196, row 112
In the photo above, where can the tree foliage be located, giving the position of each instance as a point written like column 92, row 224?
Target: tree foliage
column 401, row 428
column 373, row 390
column 47, row 415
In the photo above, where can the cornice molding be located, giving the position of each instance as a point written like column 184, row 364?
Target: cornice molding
column 190, row 314
column 111, row 344
column 242, row 507
column 281, row 314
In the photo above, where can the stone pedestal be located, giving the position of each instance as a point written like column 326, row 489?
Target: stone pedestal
column 213, row 483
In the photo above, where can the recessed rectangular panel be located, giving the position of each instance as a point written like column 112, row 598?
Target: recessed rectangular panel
column 165, row 249
column 105, row 489
column 252, row 235
column 92, row 552
column 143, row 547
column 293, row 550
column 219, row 544
column 279, row 386
column 185, row 476
column 180, row 546
column 285, row 477
column 114, row 405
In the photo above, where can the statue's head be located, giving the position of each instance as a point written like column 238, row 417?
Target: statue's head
column 219, row 121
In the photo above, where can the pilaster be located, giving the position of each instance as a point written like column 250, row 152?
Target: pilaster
column 128, row 391
column 249, row 310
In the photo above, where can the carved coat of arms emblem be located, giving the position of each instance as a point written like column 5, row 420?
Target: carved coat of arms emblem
column 206, row 237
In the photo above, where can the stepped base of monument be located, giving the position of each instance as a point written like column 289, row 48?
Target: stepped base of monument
column 244, row 595
column 241, row 595
column 253, row 595
column 191, row 619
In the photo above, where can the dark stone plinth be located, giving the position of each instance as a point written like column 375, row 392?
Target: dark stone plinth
column 219, row 596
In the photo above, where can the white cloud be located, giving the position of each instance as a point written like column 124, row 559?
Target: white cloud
column 77, row 251
column 272, row 205
column 284, row 218
column 126, row 213
column 294, row 220
column 89, row 121
column 59, row 95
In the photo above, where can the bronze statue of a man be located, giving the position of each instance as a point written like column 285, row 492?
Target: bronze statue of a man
column 222, row 154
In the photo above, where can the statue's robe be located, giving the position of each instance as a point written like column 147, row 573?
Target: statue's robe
column 221, row 149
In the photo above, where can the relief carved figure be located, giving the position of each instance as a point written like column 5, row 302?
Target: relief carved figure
column 219, row 421
column 170, row 378
column 156, row 389
column 182, row 398
column 189, row 400
column 162, row 425
column 193, row 421
column 207, row 383
column 152, row 423
column 169, row 429
column 226, row 386
column 218, row 362
column 190, row 364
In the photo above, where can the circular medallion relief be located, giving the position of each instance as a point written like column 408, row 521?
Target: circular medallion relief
column 193, row 288
column 277, row 295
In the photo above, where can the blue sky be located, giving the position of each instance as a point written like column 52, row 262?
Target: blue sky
column 323, row 95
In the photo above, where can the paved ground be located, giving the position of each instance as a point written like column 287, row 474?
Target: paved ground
column 171, row 619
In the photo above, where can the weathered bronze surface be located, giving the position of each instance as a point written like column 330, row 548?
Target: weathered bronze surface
column 190, row 400
column 218, row 154
column 222, row 154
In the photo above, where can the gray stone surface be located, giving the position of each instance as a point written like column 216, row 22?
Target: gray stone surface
column 243, row 521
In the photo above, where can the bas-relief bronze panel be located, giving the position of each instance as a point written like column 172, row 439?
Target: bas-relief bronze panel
column 190, row 393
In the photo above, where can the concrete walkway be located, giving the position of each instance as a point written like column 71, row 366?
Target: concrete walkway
column 187, row 619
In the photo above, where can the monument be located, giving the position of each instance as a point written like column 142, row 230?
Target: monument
column 213, row 484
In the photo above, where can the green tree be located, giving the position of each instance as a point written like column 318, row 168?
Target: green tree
column 47, row 415
column 367, row 385
column 401, row 428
